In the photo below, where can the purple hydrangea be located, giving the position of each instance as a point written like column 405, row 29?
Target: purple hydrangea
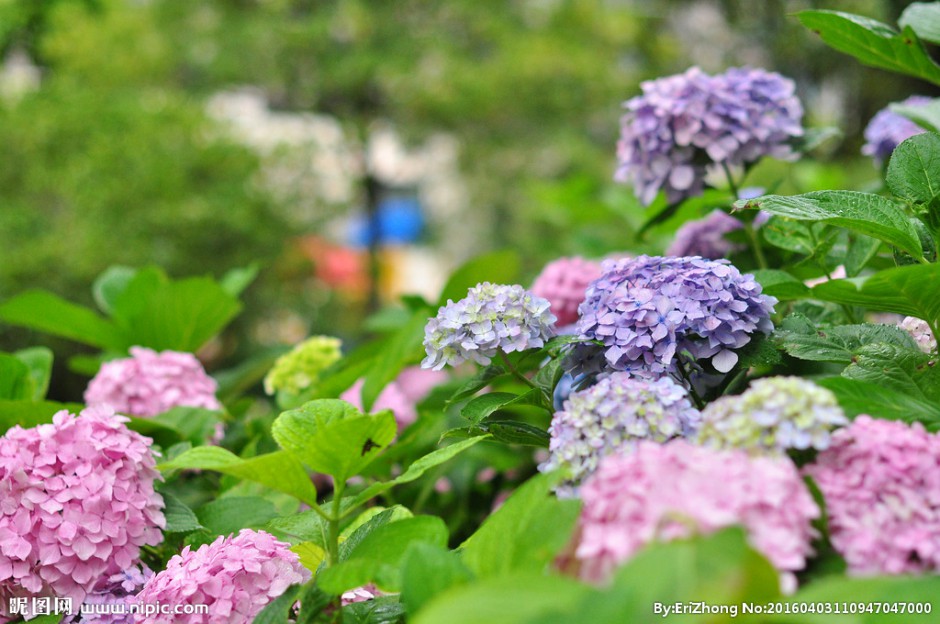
column 887, row 130
column 563, row 282
column 881, row 483
column 611, row 417
column 663, row 492
column 77, row 502
column 648, row 310
column 774, row 415
column 110, row 601
column 706, row 237
column 236, row 577
column 685, row 123
column 490, row 319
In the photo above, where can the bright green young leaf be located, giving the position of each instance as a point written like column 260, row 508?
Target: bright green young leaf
column 403, row 348
column 308, row 526
column 417, row 468
column 179, row 517
column 839, row 344
column 334, row 438
column 39, row 362
column 428, row 570
column 908, row 290
column 365, row 524
column 15, row 381
column 865, row 213
column 499, row 267
column 229, row 514
column 377, row 558
column 780, row 284
column 914, row 168
column 237, row 280
column 873, row 43
column 28, row 414
column 109, row 286
column 924, row 19
column 45, row 312
column 926, row 116
column 278, row 471
column 865, row 397
column 524, row 534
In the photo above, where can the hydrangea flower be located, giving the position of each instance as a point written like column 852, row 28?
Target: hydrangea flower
column 297, row 370
column 649, row 309
column 149, row 383
column 887, row 130
column 685, row 123
column 110, row 601
column 490, row 319
column 663, row 492
column 705, row 237
column 775, row 414
column 236, row 577
column 360, row 594
column 76, row 503
column 920, row 332
column 611, row 417
column 563, row 282
column 881, row 483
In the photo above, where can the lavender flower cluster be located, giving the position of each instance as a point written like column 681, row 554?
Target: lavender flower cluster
column 490, row 319
column 920, row 332
column 647, row 310
column 887, row 130
column 706, row 237
column 774, row 415
column 611, row 417
column 682, row 124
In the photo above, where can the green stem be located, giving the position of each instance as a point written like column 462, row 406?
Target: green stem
column 516, row 373
column 332, row 545
column 749, row 230
column 699, row 403
column 731, row 183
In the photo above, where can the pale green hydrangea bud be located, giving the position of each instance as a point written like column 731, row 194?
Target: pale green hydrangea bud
column 298, row 369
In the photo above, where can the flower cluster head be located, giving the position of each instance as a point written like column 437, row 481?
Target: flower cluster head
column 76, row 503
column 149, row 383
column 401, row 395
column 920, row 332
column 663, row 492
column 706, row 237
column 881, row 483
column 887, row 130
column 236, row 577
column 298, row 369
column 647, row 310
column 491, row 318
column 611, row 417
column 683, row 124
column 563, row 282
column 774, row 415
column 360, row 594
column 110, row 601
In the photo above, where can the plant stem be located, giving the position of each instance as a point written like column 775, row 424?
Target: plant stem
column 699, row 403
column 752, row 237
column 516, row 373
column 332, row 545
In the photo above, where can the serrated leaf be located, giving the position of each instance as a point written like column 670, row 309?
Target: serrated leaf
column 514, row 432
column 355, row 533
column 229, row 514
column 873, row 43
column 865, row 213
column 905, row 371
column 179, row 517
column 866, row 397
column 780, row 284
column 908, row 290
column 840, row 344
column 489, row 374
column 924, row 19
column 914, row 168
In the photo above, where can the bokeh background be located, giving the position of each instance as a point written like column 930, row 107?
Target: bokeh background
column 356, row 150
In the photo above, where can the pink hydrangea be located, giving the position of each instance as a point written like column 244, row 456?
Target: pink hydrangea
column 401, row 395
column 76, row 504
column 564, row 282
column 881, row 483
column 236, row 577
column 663, row 492
column 360, row 594
column 149, row 383
column 920, row 332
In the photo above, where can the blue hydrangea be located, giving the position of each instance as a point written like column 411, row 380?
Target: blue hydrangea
column 610, row 417
column 774, row 415
column 683, row 124
column 491, row 318
column 887, row 130
column 648, row 310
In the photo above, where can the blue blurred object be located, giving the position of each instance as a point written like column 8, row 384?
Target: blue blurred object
column 399, row 221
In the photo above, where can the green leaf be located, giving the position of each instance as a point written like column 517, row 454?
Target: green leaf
column 377, row 558
column 417, row 468
column 924, row 19
column 333, row 437
column 840, row 344
column 866, row 397
column 780, row 284
column 109, row 286
column 39, row 362
column 549, row 375
column 490, row 374
column 179, row 517
column 380, row 610
column 499, row 267
column 482, row 406
column 307, row 526
column 163, row 434
column 404, row 347
column 48, row 313
column 873, row 43
column 908, row 290
column 428, row 570
column 525, row 533
column 28, row 414
column 914, row 168
column 903, row 370
column 277, row 611
column 865, row 213
column 229, row 514
column 861, row 250
column 15, row 381
column 237, row 280
column 814, row 137
column 194, row 423
column 278, row 471
column 514, row 432
column 926, row 116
